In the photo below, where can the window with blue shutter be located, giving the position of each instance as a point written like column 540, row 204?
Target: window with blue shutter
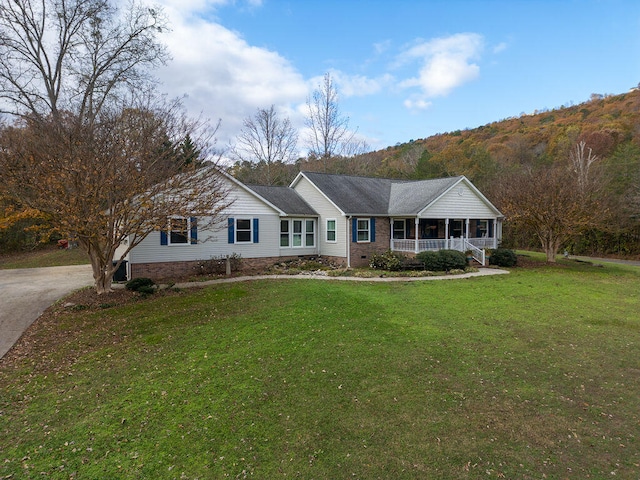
column 231, row 230
column 354, row 230
column 362, row 229
column 179, row 231
column 256, row 225
column 373, row 229
column 194, row 230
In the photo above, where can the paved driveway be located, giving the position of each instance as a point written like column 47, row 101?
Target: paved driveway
column 26, row 293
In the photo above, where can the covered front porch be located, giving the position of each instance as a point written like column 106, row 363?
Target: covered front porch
column 415, row 235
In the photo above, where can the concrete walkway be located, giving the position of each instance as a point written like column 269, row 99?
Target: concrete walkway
column 27, row 292
column 483, row 272
column 635, row 263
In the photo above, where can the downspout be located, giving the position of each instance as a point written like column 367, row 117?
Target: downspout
column 348, row 229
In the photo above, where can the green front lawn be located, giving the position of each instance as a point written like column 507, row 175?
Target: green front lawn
column 47, row 257
column 534, row 374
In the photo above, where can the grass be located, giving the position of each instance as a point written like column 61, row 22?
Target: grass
column 528, row 375
column 47, row 257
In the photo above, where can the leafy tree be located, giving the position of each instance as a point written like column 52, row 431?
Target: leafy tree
column 90, row 145
column 266, row 140
column 547, row 203
column 104, row 184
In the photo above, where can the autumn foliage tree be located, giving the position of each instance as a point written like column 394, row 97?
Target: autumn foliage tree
column 90, row 144
column 106, row 185
column 552, row 203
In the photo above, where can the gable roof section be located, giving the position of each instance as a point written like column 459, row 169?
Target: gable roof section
column 353, row 195
column 285, row 199
column 410, row 198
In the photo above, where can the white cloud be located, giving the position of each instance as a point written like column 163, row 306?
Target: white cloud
column 354, row 85
column 222, row 75
column 446, row 63
column 417, row 103
column 501, row 47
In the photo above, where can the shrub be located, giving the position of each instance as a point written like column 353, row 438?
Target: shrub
column 141, row 284
column 503, row 257
column 387, row 261
column 431, row 260
column 443, row 260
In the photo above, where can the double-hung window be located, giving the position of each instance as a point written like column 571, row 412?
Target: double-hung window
column 178, row 231
column 332, row 236
column 398, row 229
column 298, row 233
column 284, row 233
column 243, row 230
column 363, row 230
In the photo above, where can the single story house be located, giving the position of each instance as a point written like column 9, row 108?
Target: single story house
column 344, row 218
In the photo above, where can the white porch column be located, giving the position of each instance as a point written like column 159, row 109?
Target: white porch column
column 391, row 235
column 416, row 235
column 466, row 234
column 495, row 232
column 446, row 233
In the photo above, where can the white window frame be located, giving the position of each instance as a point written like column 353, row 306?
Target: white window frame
column 363, row 230
column 307, row 233
column 238, row 230
column 297, row 233
column 170, row 231
column 334, row 230
column 285, row 235
column 404, row 229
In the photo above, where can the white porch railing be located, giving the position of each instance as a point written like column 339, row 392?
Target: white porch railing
column 475, row 245
column 477, row 253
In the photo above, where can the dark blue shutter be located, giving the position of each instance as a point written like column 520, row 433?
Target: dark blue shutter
column 194, row 230
column 256, row 235
column 372, row 226
column 231, row 229
column 163, row 238
column 354, row 230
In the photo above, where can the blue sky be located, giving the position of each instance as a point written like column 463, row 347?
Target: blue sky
column 404, row 69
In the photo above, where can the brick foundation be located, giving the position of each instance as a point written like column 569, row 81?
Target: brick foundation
column 177, row 270
column 361, row 252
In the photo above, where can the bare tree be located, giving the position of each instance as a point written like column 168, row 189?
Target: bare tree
column 91, row 146
column 267, row 140
column 74, row 55
column 329, row 133
column 113, row 182
column 581, row 159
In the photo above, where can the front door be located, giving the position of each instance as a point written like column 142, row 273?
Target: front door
column 456, row 228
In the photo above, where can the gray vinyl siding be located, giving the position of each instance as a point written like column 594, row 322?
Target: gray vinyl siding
column 454, row 205
column 325, row 210
column 214, row 242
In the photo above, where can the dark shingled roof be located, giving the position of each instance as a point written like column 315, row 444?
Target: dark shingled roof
column 409, row 198
column 379, row 196
column 354, row 195
column 284, row 198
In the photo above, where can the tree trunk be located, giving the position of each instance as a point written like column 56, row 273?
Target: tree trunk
column 102, row 266
column 550, row 245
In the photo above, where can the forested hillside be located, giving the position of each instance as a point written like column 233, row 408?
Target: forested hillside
column 494, row 154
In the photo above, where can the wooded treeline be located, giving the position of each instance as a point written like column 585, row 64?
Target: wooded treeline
column 524, row 150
